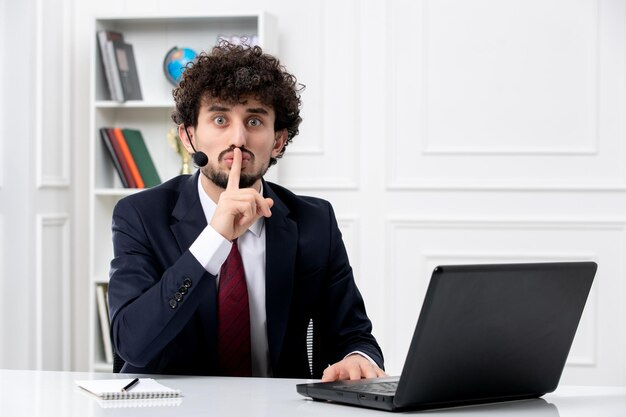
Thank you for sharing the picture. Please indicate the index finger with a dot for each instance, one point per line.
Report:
(330, 374)
(235, 171)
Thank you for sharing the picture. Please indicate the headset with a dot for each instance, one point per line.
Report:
(199, 158)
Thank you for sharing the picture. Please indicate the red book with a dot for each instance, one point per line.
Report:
(128, 157)
(120, 158)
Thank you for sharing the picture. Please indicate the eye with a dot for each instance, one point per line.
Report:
(254, 122)
(219, 120)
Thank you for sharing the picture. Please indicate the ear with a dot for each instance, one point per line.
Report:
(280, 138)
(182, 134)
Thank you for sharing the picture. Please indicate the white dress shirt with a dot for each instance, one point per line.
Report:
(211, 249)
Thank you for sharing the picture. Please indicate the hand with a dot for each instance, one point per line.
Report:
(237, 209)
(353, 366)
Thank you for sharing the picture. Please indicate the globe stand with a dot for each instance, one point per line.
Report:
(177, 145)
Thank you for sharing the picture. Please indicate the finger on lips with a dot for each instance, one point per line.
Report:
(235, 171)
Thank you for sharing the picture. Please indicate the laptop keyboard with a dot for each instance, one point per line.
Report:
(374, 387)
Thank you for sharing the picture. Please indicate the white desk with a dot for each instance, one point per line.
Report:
(54, 394)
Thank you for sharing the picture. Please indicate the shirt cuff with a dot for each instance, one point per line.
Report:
(210, 249)
(366, 356)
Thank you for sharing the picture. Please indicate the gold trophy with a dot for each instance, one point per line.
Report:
(177, 145)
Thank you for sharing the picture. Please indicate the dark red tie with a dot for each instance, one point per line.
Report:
(233, 318)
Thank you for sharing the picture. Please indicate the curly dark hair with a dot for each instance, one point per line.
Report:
(232, 72)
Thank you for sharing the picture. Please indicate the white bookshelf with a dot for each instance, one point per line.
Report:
(151, 37)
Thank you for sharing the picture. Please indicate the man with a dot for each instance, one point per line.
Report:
(220, 273)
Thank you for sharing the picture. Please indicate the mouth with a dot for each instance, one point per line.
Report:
(246, 159)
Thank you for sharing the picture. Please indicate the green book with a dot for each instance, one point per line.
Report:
(142, 158)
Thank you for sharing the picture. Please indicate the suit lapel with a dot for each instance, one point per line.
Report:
(190, 222)
(188, 212)
(281, 237)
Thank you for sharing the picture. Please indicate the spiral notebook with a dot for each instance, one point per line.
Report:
(111, 389)
(140, 402)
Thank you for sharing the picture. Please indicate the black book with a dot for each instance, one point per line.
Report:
(105, 138)
(127, 70)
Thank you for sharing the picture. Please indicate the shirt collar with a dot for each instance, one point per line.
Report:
(208, 207)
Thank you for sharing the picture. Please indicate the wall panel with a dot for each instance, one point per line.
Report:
(3, 96)
(52, 108)
(53, 292)
(498, 95)
(326, 154)
(416, 246)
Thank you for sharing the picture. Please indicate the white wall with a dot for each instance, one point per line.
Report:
(3, 25)
(36, 300)
(442, 131)
(14, 196)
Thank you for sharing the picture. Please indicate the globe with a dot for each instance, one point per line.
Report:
(175, 63)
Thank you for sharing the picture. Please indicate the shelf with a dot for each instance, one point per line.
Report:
(103, 367)
(171, 19)
(116, 192)
(152, 37)
(99, 280)
(134, 104)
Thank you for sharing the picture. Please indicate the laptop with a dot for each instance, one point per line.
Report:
(486, 333)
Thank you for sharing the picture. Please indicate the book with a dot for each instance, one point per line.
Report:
(111, 389)
(109, 62)
(127, 70)
(117, 149)
(142, 157)
(114, 157)
(105, 325)
(128, 157)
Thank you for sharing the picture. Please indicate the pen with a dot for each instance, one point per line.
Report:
(130, 385)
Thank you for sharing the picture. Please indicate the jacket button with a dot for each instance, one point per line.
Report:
(178, 296)
(187, 282)
(182, 289)
(173, 303)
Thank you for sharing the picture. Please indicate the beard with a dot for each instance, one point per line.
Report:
(246, 180)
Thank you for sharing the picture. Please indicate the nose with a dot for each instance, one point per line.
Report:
(239, 136)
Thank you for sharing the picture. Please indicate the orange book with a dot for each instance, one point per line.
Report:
(128, 157)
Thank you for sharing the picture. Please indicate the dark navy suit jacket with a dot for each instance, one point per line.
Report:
(308, 276)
